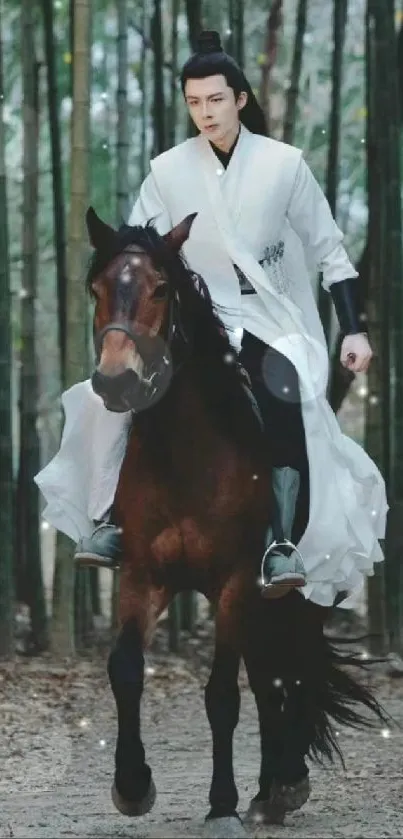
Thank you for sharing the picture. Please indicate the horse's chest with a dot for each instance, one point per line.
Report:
(192, 508)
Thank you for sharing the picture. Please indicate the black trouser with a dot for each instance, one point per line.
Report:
(275, 386)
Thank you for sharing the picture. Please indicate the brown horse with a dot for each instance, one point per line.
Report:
(193, 502)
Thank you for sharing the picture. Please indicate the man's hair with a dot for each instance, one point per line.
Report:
(211, 60)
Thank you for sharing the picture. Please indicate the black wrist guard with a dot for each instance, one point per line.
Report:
(346, 299)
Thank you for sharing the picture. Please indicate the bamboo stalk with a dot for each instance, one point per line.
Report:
(144, 101)
(374, 437)
(296, 66)
(194, 19)
(173, 107)
(57, 179)
(159, 93)
(273, 26)
(122, 163)
(239, 26)
(6, 437)
(332, 174)
(77, 342)
(393, 302)
(29, 460)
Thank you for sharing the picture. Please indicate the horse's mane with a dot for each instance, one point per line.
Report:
(211, 349)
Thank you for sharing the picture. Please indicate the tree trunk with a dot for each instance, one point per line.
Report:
(332, 176)
(62, 624)
(374, 419)
(195, 26)
(77, 321)
(159, 95)
(173, 109)
(239, 27)
(274, 23)
(95, 588)
(296, 66)
(341, 379)
(83, 611)
(400, 68)
(194, 19)
(122, 163)
(235, 39)
(143, 81)
(115, 595)
(72, 4)
(174, 624)
(6, 437)
(392, 283)
(29, 460)
(57, 178)
(229, 39)
(213, 15)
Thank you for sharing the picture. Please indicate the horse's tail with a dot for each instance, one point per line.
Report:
(341, 698)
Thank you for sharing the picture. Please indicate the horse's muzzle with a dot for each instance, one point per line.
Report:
(117, 392)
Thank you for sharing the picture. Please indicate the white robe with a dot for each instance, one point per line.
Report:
(266, 202)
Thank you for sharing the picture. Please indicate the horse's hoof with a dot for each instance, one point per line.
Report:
(292, 796)
(135, 808)
(265, 812)
(225, 827)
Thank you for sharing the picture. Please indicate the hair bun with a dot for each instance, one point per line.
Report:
(209, 41)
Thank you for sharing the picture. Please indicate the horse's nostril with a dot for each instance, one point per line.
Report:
(115, 390)
(103, 386)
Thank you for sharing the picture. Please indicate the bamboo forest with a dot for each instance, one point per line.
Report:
(100, 108)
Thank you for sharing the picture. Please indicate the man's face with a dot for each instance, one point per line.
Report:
(213, 107)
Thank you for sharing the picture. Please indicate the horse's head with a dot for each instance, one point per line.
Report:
(134, 317)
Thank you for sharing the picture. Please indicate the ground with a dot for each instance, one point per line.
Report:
(57, 740)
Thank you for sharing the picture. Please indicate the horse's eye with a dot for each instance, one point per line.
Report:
(160, 292)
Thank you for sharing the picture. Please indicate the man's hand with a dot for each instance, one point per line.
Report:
(356, 353)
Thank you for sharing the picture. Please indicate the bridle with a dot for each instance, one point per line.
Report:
(159, 366)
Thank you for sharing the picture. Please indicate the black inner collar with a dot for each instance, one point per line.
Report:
(225, 156)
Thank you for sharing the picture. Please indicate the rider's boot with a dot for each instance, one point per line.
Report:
(282, 566)
(103, 549)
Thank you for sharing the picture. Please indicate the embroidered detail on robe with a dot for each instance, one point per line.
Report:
(273, 263)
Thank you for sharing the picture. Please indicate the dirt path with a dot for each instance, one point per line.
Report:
(57, 739)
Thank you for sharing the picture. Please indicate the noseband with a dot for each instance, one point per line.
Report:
(157, 367)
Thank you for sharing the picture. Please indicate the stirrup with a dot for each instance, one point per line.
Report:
(294, 580)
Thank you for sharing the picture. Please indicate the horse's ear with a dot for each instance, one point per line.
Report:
(100, 234)
(178, 235)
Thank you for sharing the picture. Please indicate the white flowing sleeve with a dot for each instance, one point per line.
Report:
(310, 217)
(150, 206)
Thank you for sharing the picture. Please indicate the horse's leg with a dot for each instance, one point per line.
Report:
(265, 807)
(284, 778)
(222, 705)
(292, 788)
(133, 791)
(276, 673)
(222, 699)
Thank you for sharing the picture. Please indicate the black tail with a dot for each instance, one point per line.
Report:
(285, 641)
(341, 698)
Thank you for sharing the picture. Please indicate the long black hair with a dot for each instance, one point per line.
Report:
(211, 60)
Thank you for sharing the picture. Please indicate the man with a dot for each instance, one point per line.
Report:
(261, 218)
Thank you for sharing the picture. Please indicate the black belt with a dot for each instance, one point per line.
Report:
(245, 286)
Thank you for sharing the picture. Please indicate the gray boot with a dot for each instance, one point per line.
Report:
(103, 549)
(282, 565)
